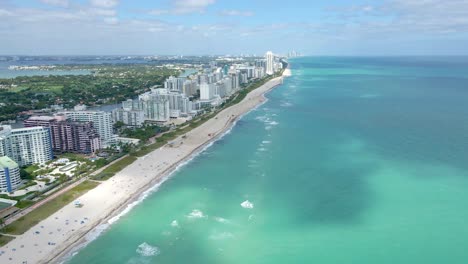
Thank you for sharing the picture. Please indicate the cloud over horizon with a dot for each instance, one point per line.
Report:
(210, 26)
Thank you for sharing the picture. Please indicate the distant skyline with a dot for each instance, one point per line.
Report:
(208, 27)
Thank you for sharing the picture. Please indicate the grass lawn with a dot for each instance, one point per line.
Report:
(32, 168)
(17, 89)
(145, 150)
(54, 88)
(26, 222)
(5, 239)
(114, 168)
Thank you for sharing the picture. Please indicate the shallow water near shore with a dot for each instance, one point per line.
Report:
(352, 160)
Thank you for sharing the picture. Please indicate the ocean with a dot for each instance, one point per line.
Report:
(351, 160)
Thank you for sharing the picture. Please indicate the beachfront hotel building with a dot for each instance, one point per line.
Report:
(102, 121)
(153, 109)
(179, 104)
(128, 116)
(207, 91)
(157, 105)
(67, 135)
(75, 137)
(189, 88)
(44, 121)
(270, 63)
(10, 178)
(175, 83)
(157, 110)
(26, 146)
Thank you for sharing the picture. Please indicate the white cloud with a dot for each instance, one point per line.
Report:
(101, 12)
(111, 20)
(4, 12)
(62, 3)
(348, 26)
(406, 16)
(183, 7)
(237, 13)
(191, 6)
(104, 3)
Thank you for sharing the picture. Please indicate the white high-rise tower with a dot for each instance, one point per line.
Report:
(270, 60)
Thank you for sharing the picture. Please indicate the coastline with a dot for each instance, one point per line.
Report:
(66, 231)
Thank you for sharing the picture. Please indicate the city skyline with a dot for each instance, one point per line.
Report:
(209, 27)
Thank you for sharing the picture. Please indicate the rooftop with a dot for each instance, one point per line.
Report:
(42, 118)
(6, 162)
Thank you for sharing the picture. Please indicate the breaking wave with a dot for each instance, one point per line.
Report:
(146, 250)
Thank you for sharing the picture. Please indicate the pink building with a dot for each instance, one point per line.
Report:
(68, 136)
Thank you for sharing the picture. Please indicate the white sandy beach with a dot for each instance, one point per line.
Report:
(48, 241)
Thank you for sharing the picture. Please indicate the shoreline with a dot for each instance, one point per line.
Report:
(125, 190)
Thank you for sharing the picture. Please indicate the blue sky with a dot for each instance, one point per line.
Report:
(334, 27)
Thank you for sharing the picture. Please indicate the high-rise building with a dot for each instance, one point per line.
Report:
(102, 121)
(129, 117)
(244, 78)
(235, 82)
(203, 78)
(174, 83)
(26, 145)
(157, 110)
(228, 86)
(154, 108)
(77, 137)
(270, 60)
(68, 136)
(179, 103)
(10, 178)
(220, 89)
(5, 147)
(44, 121)
(207, 91)
(171, 83)
(259, 72)
(189, 88)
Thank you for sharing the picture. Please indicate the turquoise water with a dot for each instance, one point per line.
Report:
(352, 160)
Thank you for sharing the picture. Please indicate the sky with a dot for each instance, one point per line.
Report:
(219, 27)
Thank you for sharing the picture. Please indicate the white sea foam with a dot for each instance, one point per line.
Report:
(247, 204)
(261, 118)
(147, 250)
(262, 149)
(196, 214)
(93, 234)
(286, 104)
(266, 142)
(221, 220)
(273, 123)
(174, 223)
